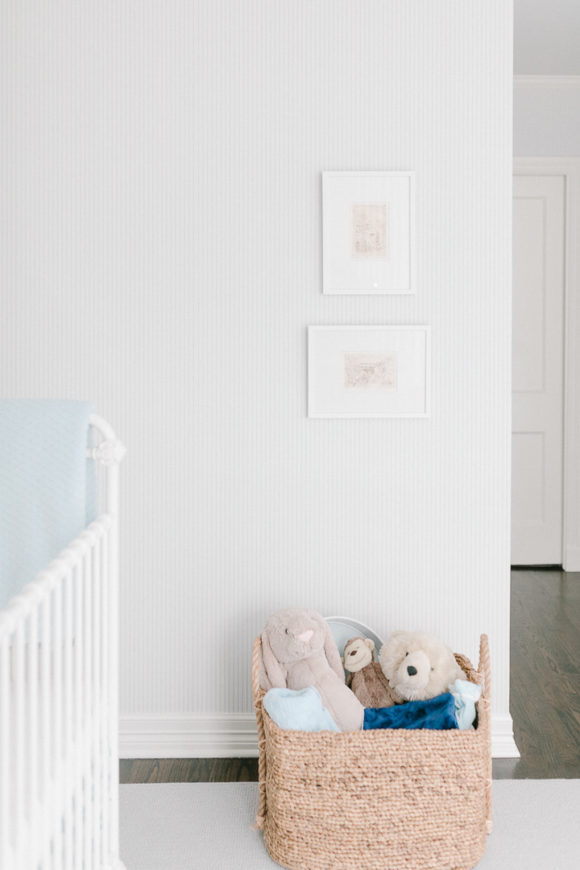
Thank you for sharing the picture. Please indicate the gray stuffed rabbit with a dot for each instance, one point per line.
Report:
(298, 650)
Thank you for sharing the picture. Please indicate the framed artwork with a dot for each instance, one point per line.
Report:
(368, 232)
(368, 371)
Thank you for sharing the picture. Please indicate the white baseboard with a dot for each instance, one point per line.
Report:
(232, 736)
(572, 559)
(185, 735)
(503, 744)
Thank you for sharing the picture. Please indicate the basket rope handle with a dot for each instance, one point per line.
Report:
(256, 689)
(485, 670)
(484, 666)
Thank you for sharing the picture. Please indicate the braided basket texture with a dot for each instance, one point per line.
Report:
(376, 800)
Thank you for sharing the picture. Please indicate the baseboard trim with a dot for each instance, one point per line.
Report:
(185, 735)
(503, 744)
(232, 736)
(572, 559)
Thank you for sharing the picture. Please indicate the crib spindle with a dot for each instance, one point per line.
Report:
(68, 721)
(107, 760)
(77, 702)
(87, 714)
(113, 583)
(97, 697)
(33, 730)
(45, 727)
(57, 698)
(18, 651)
(5, 778)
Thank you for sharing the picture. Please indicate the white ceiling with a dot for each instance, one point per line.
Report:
(547, 37)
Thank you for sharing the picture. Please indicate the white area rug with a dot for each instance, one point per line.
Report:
(184, 826)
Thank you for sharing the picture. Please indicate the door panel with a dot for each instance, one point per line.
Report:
(537, 369)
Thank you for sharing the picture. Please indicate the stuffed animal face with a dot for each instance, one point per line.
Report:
(295, 634)
(358, 653)
(418, 665)
(298, 650)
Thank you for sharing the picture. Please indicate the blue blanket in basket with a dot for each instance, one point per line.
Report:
(303, 710)
(437, 713)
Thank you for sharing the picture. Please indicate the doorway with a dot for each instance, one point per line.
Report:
(543, 433)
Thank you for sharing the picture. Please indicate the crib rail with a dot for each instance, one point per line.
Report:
(58, 704)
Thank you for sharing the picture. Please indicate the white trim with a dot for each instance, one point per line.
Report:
(569, 168)
(572, 559)
(540, 81)
(546, 165)
(188, 735)
(184, 735)
(503, 744)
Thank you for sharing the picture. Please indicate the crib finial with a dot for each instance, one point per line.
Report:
(108, 452)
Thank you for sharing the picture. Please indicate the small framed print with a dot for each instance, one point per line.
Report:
(368, 232)
(368, 371)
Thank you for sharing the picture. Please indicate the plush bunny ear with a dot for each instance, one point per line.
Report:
(331, 651)
(275, 672)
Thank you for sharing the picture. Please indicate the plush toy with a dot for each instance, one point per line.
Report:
(365, 677)
(418, 665)
(298, 650)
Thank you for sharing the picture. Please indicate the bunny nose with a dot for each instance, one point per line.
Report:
(306, 635)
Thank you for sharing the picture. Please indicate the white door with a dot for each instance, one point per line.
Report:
(539, 216)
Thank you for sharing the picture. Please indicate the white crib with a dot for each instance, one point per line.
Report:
(59, 763)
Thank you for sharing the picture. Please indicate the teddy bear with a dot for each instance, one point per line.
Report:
(365, 676)
(418, 665)
(298, 650)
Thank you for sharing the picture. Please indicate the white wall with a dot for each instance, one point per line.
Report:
(546, 37)
(162, 256)
(547, 116)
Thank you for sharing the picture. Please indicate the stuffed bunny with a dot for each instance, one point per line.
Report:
(298, 650)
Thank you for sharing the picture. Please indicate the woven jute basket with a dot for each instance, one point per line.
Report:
(376, 800)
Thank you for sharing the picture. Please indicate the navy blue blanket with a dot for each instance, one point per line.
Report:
(437, 714)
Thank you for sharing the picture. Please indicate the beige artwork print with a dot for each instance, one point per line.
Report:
(370, 371)
(369, 230)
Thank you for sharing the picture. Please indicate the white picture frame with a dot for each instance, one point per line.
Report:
(369, 371)
(368, 233)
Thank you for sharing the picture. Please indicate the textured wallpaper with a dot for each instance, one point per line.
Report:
(162, 257)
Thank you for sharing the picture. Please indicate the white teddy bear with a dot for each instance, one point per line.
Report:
(418, 665)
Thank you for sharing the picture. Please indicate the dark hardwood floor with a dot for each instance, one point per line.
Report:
(189, 770)
(545, 693)
(545, 676)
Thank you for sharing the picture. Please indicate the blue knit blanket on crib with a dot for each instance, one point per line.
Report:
(47, 485)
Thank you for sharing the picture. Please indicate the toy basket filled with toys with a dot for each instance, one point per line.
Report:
(363, 797)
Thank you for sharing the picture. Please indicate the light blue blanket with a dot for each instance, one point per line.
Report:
(298, 710)
(47, 485)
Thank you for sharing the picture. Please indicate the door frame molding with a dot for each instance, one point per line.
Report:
(569, 169)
